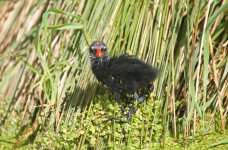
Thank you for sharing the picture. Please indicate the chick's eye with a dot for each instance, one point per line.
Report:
(92, 49)
(103, 48)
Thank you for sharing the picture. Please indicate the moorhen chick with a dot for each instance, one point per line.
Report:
(128, 78)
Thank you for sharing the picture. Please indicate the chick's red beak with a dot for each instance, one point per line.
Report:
(99, 52)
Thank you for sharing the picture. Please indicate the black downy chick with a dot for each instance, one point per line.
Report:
(128, 78)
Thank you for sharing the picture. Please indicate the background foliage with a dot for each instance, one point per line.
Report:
(46, 81)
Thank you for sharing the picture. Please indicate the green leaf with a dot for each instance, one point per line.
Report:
(76, 26)
(205, 64)
(221, 142)
(212, 19)
(32, 68)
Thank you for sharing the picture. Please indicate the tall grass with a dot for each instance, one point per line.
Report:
(46, 75)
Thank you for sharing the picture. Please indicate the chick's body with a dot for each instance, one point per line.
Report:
(128, 78)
